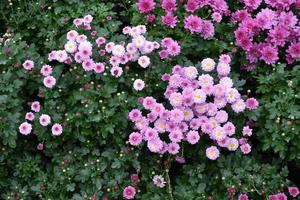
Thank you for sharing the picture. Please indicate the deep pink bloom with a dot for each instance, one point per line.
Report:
(168, 5)
(169, 20)
(294, 191)
(252, 103)
(129, 192)
(150, 18)
(146, 6)
(269, 54)
(193, 24)
(243, 197)
(294, 50)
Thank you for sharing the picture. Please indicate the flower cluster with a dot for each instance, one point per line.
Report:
(198, 108)
(263, 35)
(79, 50)
(170, 47)
(25, 128)
(192, 22)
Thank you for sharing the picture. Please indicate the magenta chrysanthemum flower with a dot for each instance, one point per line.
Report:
(294, 191)
(269, 54)
(169, 5)
(252, 103)
(193, 24)
(57, 129)
(129, 192)
(146, 6)
(243, 197)
(25, 128)
(281, 196)
(294, 50)
(212, 153)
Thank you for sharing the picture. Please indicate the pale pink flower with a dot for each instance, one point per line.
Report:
(49, 81)
(138, 84)
(28, 64)
(57, 129)
(45, 120)
(46, 70)
(35, 106)
(29, 116)
(25, 128)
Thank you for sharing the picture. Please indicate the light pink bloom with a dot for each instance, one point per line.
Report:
(192, 137)
(173, 148)
(45, 120)
(49, 81)
(28, 64)
(245, 148)
(212, 153)
(294, 191)
(57, 129)
(35, 106)
(46, 70)
(138, 84)
(29, 116)
(25, 128)
(135, 138)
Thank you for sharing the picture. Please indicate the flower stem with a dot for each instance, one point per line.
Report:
(169, 181)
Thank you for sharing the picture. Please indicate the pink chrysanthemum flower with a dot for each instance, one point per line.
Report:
(155, 145)
(61, 56)
(146, 6)
(46, 70)
(49, 81)
(208, 64)
(168, 5)
(217, 17)
(150, 134)
(129, 192)
(176, 115)
(116, 71)
(281, 196)
(294, 191)
(28, 64)
(269, 54)
(135, 138)
(218, 134)
(232, 144)
(245, 148)
(35, 106)
(229, 128)
(199, 96)
(88, 19)
(247, 131)
(238, 106)
(57, 129)
(193, 24)
(176, 136)
(138, 84)
(71, 35)
(252, 103)
(243, 197)
(135, 115)
(212, 153)
(169, 20)
(29, 116)
(173, 148)
(45, 120)
(223, 69)
(144, 61)
(99, 67)
(294, 50)
(149, 103)
(192, 137)
(25, 128)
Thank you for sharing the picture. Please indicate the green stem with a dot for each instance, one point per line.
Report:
(169, 180)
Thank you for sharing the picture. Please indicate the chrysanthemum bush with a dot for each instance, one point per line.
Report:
(88, 155)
